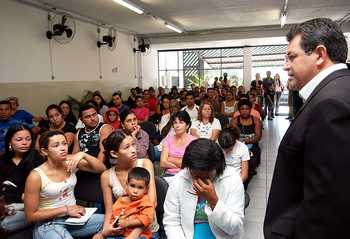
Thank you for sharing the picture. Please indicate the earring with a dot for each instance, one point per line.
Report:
(10, 147)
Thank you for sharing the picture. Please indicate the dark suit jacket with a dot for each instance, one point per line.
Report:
(310, 190)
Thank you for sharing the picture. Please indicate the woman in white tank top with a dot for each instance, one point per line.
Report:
(49, 191)
(121, 150)
(228, 106)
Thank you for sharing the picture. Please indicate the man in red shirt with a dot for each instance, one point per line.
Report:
(152, 100)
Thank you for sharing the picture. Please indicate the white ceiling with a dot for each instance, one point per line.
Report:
(201, 15)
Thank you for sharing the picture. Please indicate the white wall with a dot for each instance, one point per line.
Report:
(25, 60)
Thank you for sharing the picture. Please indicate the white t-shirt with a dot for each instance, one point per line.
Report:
(239, 153)
(192, 112)
(205, 130)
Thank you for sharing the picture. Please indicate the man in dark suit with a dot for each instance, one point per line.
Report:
(310, 192)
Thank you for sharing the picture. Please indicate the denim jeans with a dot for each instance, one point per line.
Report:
(15, 222)
(56, 230)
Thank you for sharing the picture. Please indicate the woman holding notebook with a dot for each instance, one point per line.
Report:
(49, 191)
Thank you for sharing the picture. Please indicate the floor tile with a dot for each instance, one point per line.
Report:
(259, 186)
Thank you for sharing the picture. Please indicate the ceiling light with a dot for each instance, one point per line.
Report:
(283, 19)
(129, 5)
(284, 13)
(175, 29)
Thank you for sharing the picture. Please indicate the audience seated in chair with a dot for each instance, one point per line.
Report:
(206, 198)
(101, 105)
(56, 122)
(112, 118)
(131, 126)
(236, 153)
(173, 147)
(49, 190)
(228, 106)
(89, 139)
(5, 122)
(19, 159)
(207, 126)
(250, 128)
(68, 115)
(142, 113)
(121, 151)
(191, 108)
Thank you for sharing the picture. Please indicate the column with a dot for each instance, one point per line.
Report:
(247, 67)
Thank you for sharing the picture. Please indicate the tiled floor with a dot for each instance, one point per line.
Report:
(259, 186)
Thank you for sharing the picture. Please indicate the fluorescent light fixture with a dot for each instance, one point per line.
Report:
(175, 29)
(130, 6)
(283, 19)
(284, 13)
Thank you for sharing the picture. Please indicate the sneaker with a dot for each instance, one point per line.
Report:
(269, 118)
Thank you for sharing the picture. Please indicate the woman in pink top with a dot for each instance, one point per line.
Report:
(174, 146)
(141, 112)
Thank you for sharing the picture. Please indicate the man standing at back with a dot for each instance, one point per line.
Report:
(310, 193)
(268, 84)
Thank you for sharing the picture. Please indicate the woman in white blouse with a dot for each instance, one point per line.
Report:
(206, 126)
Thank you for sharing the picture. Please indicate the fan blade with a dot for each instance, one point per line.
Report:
(49, 35)
(64, 19)
(69, 32)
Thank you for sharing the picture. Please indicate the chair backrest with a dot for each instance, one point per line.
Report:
(151, 153)
(161, 188)
(224, 121)
(88, 189)
(150, 129)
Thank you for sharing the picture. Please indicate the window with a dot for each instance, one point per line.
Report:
(181, 68)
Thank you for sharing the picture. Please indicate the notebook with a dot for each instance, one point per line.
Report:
(83, 219)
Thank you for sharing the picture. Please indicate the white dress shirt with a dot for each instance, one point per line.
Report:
(306, 91)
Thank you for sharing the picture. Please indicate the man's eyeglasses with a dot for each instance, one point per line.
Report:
(290, 57)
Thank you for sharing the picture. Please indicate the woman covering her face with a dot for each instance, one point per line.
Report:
(205, 199)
